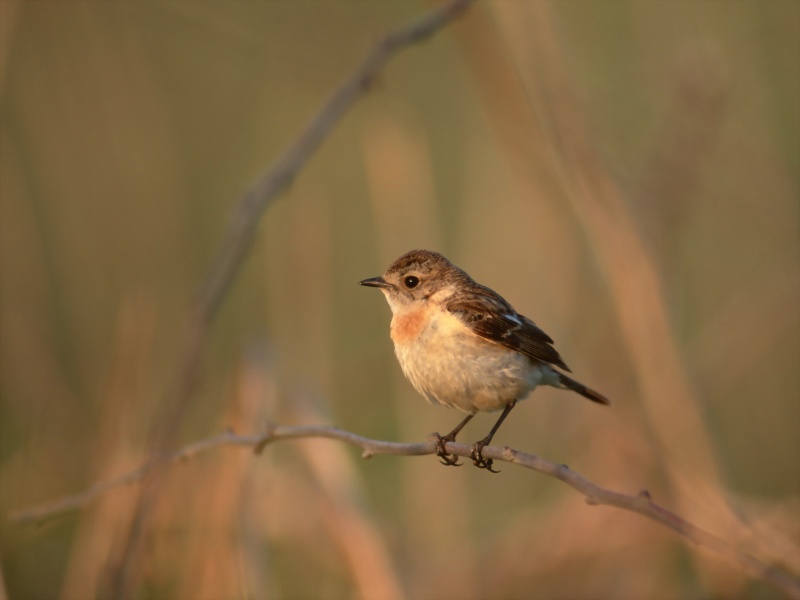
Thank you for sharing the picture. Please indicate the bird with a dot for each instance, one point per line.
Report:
(463, 346)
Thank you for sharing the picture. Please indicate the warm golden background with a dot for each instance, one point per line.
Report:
(625, 173)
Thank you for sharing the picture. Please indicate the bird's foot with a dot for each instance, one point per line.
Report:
(450, 460)
(477, 456)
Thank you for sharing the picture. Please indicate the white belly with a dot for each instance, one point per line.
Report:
(452, 366)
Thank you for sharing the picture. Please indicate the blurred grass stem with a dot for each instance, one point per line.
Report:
(236, 243)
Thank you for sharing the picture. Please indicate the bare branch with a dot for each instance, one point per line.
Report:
(641, 503)
(241, 231)
(280, 175)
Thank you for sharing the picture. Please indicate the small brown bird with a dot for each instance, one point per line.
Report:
(462, 345)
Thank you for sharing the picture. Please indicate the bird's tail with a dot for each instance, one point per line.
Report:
(584, 391)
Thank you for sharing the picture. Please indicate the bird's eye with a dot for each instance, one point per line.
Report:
(411, 281)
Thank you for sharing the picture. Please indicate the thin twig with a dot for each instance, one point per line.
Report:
(642, 503)
(281, 174)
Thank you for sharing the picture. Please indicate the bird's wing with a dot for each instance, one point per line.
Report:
(489, 315)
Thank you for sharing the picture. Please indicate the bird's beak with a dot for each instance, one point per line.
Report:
(378, 282)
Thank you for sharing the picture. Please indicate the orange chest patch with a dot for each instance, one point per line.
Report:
(406, 328)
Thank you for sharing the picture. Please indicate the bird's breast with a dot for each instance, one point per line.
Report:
(449, 364)
(407, 326)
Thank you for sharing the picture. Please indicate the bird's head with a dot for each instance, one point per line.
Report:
(419, 276)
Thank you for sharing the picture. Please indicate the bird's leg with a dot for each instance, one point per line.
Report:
(450, 459)
(477, 448)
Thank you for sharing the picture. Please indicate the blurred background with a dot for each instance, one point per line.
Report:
(625, 173)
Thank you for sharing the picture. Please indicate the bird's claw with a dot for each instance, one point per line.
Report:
(450, 460)
(477, 457)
